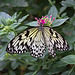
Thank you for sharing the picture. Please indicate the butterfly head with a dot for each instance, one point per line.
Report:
(45, 21)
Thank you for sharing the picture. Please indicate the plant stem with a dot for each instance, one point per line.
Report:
(36, 71)
(23, 70)
(71, 70)
(50, 2)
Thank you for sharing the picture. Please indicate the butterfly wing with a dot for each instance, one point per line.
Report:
(36, 41)
(21, 43)
(31, 39)
(37, 47)
(54, 40)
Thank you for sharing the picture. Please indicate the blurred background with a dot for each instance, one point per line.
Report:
(16, 16)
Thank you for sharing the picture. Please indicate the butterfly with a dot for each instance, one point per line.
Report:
(37, 39)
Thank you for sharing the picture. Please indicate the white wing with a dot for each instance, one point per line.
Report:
(21, 43)
(54, 40)
(37, 47)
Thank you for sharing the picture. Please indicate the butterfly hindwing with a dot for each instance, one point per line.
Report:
(21, 43)
(49, 41)
(37, 47)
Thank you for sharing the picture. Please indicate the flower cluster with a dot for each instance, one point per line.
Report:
(45, 20)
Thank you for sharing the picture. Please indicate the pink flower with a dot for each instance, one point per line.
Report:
(53, 18)
(50, 16)
(45, 20)
(42, 21)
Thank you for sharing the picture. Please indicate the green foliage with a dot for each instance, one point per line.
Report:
(10, 26)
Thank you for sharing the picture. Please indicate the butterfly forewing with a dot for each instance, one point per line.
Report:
(21, 43)
(55, 40)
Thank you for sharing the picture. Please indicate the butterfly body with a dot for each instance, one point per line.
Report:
(36, 40)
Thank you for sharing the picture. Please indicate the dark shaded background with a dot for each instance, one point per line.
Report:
(14, 19)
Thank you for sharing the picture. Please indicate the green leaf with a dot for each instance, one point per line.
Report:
(14, 25)
(42, 72)
(68, 28)
(63, 15)
(29, 59)
(33, 67)
(23, 18)
(59, 22)
(30, 73)
(5, 39)
(15, 16)
(2, 52)
(55, 70)
(33, 23)
(72, 20)
(53, 11)
(11, 35)
(59, 64)
(70, 59)
(70, 31)
(3, 64)
(14, 64)
(3, 22)
(71, 39)
(68, 3)
(2, 33)
(62, 9)
(26, 58)
(68, 73)
(19, 29)
(4, 15)
(12, 73)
